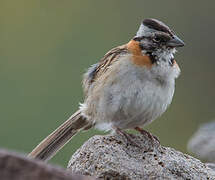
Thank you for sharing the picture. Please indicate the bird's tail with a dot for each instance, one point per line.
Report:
(57, 139)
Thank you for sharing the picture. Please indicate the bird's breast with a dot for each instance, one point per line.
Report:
(133, 97)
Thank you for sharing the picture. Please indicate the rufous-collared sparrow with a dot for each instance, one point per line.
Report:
(129, 87)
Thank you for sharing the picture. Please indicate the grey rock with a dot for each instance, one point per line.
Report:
(114, 157)
(14, 166)
(202, 143)
(211, 165)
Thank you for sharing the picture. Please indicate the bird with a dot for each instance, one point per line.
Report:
(131, 86)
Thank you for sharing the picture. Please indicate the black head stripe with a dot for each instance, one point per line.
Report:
(157, 25)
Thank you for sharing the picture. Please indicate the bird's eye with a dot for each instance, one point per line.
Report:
(157, 39)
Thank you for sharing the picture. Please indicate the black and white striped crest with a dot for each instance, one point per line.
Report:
(149, 26)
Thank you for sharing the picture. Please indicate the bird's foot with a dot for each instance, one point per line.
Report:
(127, 136)
(144, 132)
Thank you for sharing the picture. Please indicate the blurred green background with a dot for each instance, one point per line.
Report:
(46, 46)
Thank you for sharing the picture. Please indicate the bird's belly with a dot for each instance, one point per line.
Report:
(135, 104)
(142, 106)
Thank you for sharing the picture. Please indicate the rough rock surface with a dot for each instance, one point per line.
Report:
(114, 157)
(17, 167)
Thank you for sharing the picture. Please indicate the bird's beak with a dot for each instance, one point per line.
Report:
(175, 42)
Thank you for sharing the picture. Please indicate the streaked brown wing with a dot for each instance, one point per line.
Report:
(101, 67)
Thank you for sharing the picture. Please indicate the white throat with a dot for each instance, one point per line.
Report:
(165, 69)
(164, 55)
